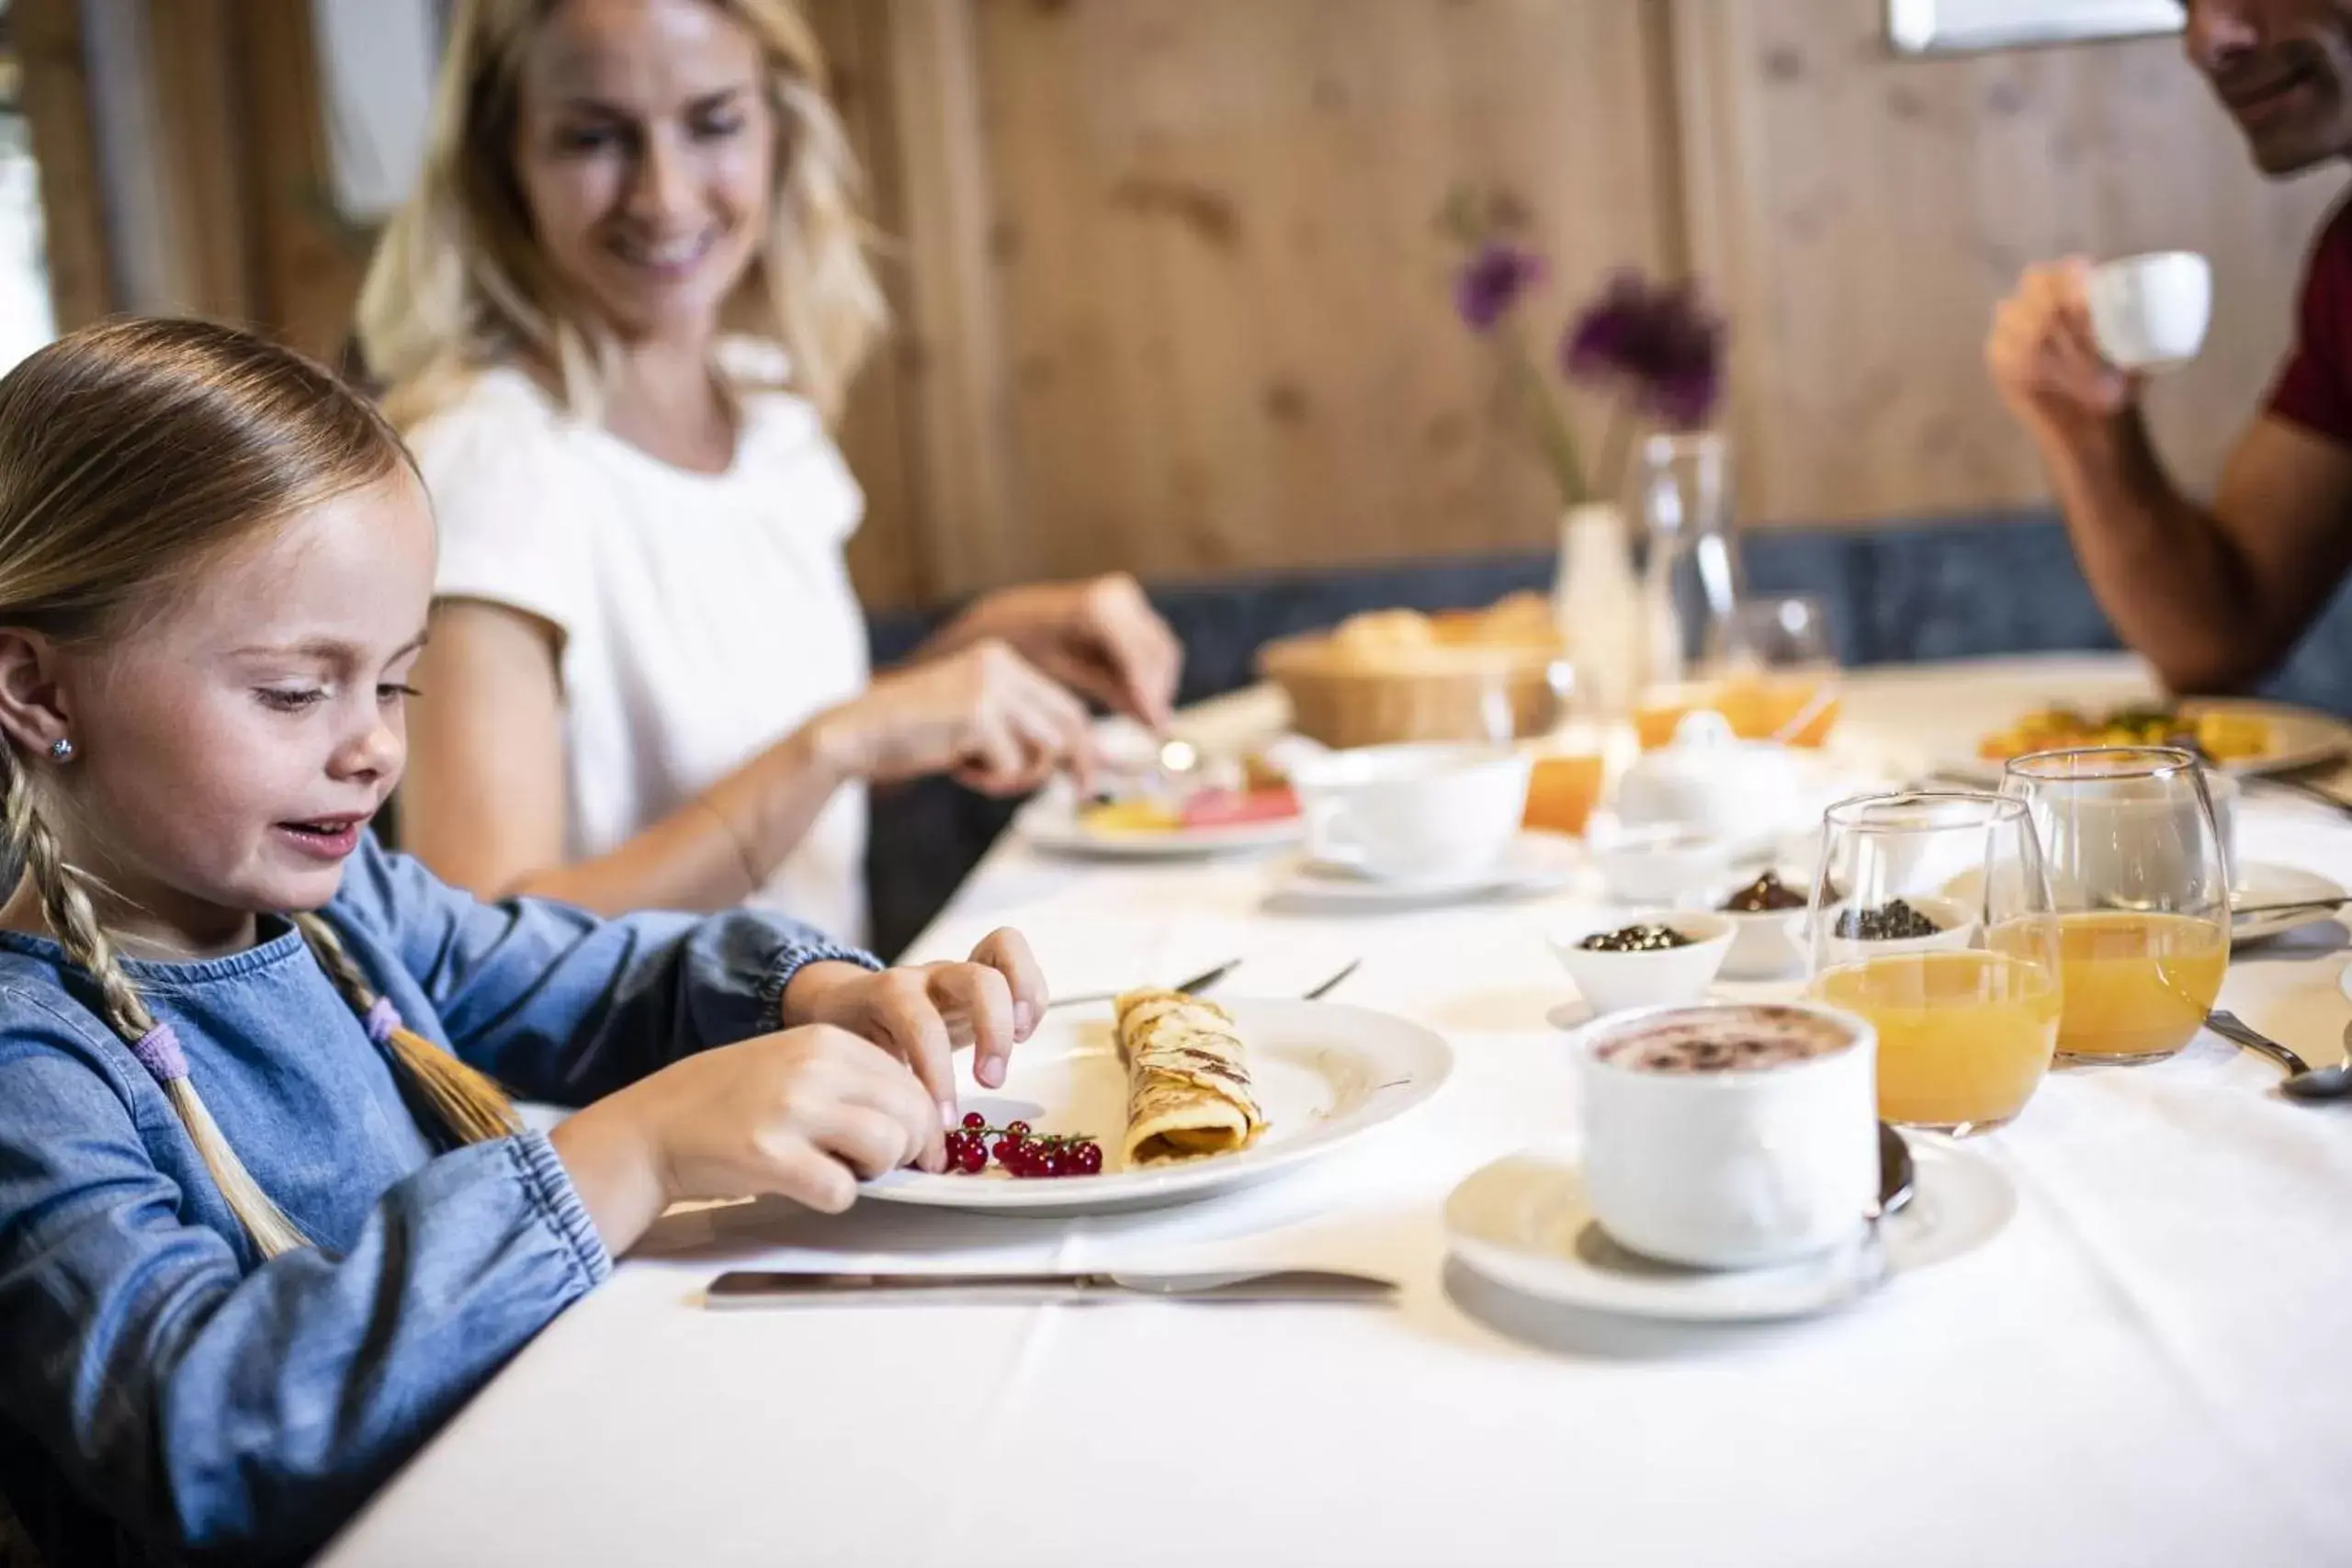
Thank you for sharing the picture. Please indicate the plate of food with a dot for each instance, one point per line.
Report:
(1165, 1098)
(2236, 735)
(1150, 815)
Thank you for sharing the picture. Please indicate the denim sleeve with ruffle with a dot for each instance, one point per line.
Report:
(564, 1006)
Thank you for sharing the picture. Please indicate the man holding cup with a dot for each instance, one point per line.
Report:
(2214, 597)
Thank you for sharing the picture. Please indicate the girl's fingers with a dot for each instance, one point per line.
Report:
(811, 1178)
(869, 1142)
(1008, 953)
(981, 998)
(883, 1076)
(905, 1015)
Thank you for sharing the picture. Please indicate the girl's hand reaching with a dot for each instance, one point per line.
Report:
(855, 1087)
(922, 1013)
(803, 1114)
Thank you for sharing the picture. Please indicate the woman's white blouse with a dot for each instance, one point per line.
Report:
(703, 616)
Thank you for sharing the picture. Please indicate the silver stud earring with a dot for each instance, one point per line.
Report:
(60, 749)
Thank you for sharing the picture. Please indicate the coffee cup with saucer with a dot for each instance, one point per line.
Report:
(1412, 813)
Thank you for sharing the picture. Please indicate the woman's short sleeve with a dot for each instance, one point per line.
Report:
(509, 502)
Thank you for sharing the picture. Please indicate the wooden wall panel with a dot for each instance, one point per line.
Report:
(56, 89)
(1864, 214)
(1224, 294)
(885, 558)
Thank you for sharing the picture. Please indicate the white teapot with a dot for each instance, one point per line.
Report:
(1747, 793)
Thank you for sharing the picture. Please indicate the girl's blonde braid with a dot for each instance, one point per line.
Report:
(469, 1103)
(73, 920)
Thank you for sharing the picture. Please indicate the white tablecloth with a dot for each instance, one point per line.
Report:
(2147, 1366)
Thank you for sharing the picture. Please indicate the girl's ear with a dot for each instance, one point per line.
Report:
(32, 706)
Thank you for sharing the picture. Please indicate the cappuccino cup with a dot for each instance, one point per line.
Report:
(2150, 312)
(1412, 812)
(1730, 1135)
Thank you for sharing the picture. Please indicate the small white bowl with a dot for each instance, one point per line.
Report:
(1661, 863)
(1612, 982)
(1765, 944)
(1959, 932)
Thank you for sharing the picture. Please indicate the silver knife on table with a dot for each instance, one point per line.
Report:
(759, 1287)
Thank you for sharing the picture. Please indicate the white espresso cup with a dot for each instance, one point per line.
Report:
(1405, 813)
(2151, 312)
(1730, 1166)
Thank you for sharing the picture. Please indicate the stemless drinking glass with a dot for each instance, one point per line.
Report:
(1932, 918)
(2143, 890)
(1784, 651)
(1770, 666)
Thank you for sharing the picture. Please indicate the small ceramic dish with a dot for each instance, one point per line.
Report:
(1612, 982)
(1765, 944)
(1956, 933)
(1659, 864)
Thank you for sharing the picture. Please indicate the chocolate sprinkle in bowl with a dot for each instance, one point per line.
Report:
(1648, 959)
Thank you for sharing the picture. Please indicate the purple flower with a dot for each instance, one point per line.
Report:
(1661, 342)
(1492, 281)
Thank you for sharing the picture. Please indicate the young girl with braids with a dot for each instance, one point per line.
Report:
(267, 1217)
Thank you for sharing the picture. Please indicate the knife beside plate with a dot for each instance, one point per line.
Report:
(756, 1288)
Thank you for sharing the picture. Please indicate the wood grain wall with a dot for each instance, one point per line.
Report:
(1172, 297)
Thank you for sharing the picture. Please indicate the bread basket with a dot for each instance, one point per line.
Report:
(1348, 695)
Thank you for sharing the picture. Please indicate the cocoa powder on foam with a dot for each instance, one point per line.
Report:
(1744, 1039)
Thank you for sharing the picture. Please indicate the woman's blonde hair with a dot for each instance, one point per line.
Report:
(458, 283)
(132, 455)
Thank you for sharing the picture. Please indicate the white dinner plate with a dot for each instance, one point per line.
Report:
(2300, 738)
(1524, 1223)
(1535, 862)
(1324, 1073)
(2267, 882)
(2258, 882)
(1052, 824)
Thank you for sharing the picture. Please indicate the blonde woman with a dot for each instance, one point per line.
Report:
(648, 672)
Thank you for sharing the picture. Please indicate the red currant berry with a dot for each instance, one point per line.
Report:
(1019, 1129)
(974, 1159)
(1089, 1160)
(1004, 1149)
(1056, 1163)
(975, 1121)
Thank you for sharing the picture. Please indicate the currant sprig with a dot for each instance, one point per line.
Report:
(1022, 1152)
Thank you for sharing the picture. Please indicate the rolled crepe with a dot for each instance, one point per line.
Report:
(1188, 1084)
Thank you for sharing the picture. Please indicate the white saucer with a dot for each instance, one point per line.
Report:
(2267, 882)
(1535, 862)
(1524, 1223)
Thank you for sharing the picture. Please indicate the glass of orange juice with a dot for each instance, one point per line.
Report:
(2141, 886)
(1770, 667)
(1562, 788)
(1964, 991)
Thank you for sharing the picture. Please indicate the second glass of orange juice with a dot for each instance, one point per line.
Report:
(1770, 666)
(2141, 886)
(1967, 1018)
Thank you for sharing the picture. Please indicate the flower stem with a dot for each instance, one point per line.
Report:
(1615, 442)
(1544, 415)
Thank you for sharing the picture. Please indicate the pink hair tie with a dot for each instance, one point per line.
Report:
(159, 1052)
(382, 1019)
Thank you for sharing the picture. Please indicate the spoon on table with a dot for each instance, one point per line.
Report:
(2304, 1082)
(1896, 1174)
